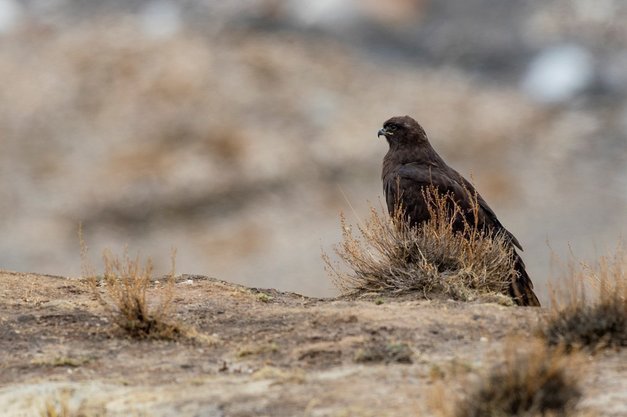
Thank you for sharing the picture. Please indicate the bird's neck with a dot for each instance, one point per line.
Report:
(405, 154)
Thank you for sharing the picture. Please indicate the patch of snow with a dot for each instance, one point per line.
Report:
(160, 19)
(323, 13)
(10, 13)
(558, 73)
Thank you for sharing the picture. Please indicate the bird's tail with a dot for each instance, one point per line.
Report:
(521, 288)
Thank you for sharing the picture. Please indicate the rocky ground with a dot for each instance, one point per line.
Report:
(263, 353)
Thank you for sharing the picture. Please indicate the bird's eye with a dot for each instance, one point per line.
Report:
(392, 127)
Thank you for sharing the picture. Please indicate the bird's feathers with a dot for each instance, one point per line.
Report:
(411, 165)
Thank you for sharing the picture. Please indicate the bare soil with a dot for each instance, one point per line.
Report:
(262, 353)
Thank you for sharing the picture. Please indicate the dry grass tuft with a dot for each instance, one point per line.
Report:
(594, 315)
(59, 406)
(123, 291)
(56, 409)
(128, 291)
(534, 382)
(379, 350)
(390, 256)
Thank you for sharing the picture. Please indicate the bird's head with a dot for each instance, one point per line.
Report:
(403, 130)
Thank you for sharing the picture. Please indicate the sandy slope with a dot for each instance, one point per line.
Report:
(260, 353)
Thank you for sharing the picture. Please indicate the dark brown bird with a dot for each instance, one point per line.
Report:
(412, 164)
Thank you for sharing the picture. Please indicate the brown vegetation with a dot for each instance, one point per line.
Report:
(381, 350)
(391, 256)
(126, 283)
(595, 314)
(534, 382)
(52, 409)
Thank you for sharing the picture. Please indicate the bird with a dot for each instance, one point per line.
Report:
(412, 165)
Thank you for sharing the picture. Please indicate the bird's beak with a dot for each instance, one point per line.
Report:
(382, 132)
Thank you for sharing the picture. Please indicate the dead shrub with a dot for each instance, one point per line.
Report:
(390, 256)
(58, 405)
(56, 409)
(123, 292)
(534, 382)
(594, 315)
(381, 350)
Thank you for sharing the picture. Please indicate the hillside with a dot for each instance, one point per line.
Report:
(263, 353)
(238, 136)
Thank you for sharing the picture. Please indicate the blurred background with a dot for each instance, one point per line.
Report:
(236, 131)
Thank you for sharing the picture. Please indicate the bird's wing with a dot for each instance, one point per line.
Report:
(489, 213)
(404, 185)
(416, 176)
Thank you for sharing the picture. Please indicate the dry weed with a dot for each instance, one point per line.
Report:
(381, 350)
(56, 409)
(59, 406)
(590, 309)
(388, 255)
(531, 381)
(126, 284)
(123, 292)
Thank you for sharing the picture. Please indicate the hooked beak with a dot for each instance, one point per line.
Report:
(382, 132)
